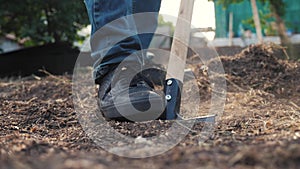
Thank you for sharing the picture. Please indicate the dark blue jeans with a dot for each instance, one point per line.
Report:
(116, 32)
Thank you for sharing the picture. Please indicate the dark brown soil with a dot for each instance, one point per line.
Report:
(260, 126)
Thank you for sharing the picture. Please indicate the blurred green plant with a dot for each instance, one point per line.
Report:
(267, 23)
(41, 22)
(226, 3)
(162, 22)
(277, 10)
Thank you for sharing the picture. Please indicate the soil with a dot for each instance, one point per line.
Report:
(259, 128)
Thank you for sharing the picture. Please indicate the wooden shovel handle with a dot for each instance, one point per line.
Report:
(181, 40)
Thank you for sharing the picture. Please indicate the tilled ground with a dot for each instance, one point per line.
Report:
(259, 128)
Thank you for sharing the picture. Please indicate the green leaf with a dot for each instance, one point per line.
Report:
(43, 21)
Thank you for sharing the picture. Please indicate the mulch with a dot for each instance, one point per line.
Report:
(259, 128)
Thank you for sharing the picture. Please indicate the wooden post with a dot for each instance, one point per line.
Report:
(257, 21)
(181, 38)
(230, 29)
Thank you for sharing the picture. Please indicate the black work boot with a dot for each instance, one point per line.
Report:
(126, 95)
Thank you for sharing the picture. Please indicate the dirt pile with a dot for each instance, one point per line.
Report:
(259, 67)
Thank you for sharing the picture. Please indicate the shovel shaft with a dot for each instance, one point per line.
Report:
(181, 40)
(177, 60)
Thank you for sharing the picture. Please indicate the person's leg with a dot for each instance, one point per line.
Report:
(114, 39)
(114, 36)
(104, 13)
(147, 21)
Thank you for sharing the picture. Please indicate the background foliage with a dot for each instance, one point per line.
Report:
(277, 10)
(47, 21)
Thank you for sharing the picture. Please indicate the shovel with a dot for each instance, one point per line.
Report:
(177, 61)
